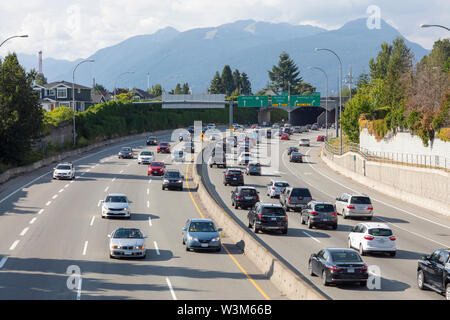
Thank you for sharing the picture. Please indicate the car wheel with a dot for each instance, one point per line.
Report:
(284, 231)
(421, 280)
(249, 224)
(334, 226)
(363, 283)
(187, 248)
(255, 229)
(343, 215)
(236, 206)
(447, 291)
(182, 240)
(361, 250)
(301, 219)
(369, 218)
(310, 269)
(218, 249)
(287, 208)
(324, 278)
(309, 224)
(349, 243)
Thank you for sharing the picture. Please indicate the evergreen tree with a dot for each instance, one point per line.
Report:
(363, 79)
(237, 80)
(156, 90)
(178, 89)
(305, 88)
(185, 89)
(285, 76)
(246, 86)
(40, 79)
(216, 86)
(227, 80)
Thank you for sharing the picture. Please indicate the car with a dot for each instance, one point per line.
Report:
(172, 179)
(295, 198)
(354, 206)
(275, 187)
(304, 143)
(292, 149)
(275, 126)
(163, 147)
(433, 272)
(320, 138)
(152, 141)
(189, 147)
(296, 129)
(319, 214)
(191, 129)
(210, 126)
(201, 234)
(217, 159)
(126, 153)
(267, 216)
(244, 197)
(287, 130)
(178, 156)
(146, 157)
(127, 243)
(244, 158)
(338, 265)
(156, 168)
(296, 157)
(372, 237)
(233, 176)
(315, 127)
(269, 134)
(232, 141)
(253, 168)
(116, 205)
(64, 170)
(285, 136)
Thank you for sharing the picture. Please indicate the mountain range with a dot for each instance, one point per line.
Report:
(253, 47)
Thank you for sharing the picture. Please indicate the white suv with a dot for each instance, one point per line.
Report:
(354, 205)
(64, 171)
(274, 188)
(372, 237)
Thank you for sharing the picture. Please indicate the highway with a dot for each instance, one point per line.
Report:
(419, 231)
(50, 229)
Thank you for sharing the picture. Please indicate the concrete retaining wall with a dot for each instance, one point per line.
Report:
(427, 188)
(285, 279)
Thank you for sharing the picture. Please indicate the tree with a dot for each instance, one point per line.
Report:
(237, 80)
(227, 80)
(185, 89)
(363, 79)
(285, 76)
(40, 79)
(178, 89)
(156, 90)
(20, 113)
(305, 88)
(216, 86)
(246, 86)
(378, 67)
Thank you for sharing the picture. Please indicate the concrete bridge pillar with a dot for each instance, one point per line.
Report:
(263, 116)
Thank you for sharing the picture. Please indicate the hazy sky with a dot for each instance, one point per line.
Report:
(76, 29)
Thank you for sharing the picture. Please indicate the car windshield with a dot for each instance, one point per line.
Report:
(125, 150)
(296, 154)
(202, 227)
(281, 184)
(146, 153)
(345, 256)
(157, 164)
(304, 140)
(128, 233)
(172, 174)
(179, 153)
(297, 192)
(234, 172)
(293, 148)
(360, 200)
(278, 211)
(151, 138)
(380, 232)
(255, 165)
(163, 144)
(120, 199)
(63, 167)
(248, 192)
(324, 208)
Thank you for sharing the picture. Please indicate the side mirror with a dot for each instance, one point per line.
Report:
(109, 236)
(102, 201)
(219, 230)
(145, 237)
(337, 199)
(184, 229)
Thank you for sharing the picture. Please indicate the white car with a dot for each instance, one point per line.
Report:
(244, 158)
(354, 205)
(372, 237)
(116, 205)
(178, 155)
(64, 171)
(275, 187)
(127, 242)
(304, 143)
(146, 157)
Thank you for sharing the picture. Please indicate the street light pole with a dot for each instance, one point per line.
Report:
(73, 96)
(326, 101)
(433, 25)
(22, 36)
(117, 79)
(340, 90)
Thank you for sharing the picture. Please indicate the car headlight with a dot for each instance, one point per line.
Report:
(115, 247)
(193, 238)
(180, 181)
(125, 209)
(165, 181)
(215, 239)
(140, 247)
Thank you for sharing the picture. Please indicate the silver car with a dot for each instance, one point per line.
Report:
(127, 243)
(274, 188)
(116, 205)
(354, 205)
(146, 157)
(304, 143)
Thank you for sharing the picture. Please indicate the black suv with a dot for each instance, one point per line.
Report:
(233, 177)
(433, 272)
(126, 153)
(244, 197)
(295, 198)
(268, 216)
(172, 179)
(152, 141)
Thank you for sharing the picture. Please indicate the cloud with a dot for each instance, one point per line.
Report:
(77, 29)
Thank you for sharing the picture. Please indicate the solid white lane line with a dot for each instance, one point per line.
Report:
(66, 186)
(3, 261)
(61, 190)
(149, 181)
(40, 211)
(311, 236)
(14, 245)
(174, 297)
(85, 248)
(148, 191)
(80, 280)
(33, 220)
(99, 202)
(48, 203)
(150, 221)
(106, 189)
(156, 248)
(148, 204)
(72, 182)
(55, 196)
(92, 221)
(24, 231)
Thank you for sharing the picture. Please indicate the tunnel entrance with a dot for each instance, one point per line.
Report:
(305, 115)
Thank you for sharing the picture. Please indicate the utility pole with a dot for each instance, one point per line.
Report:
(148, 81)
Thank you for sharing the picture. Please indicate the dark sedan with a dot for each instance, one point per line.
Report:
(152, 141)
(338, 266)
(172, 180)
(126, 153)
(244, 197)
(291, 150)
(296, 157)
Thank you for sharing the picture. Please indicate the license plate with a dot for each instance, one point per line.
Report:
(273, 219)
(127, 253)
(248, 198)
(204, 245)
(299, 205)
(234, 178)
(325, 219)
(350, 270)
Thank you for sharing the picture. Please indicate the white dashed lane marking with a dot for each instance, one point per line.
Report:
(14, 245)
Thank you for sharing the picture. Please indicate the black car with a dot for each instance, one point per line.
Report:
(126, 153)
(296, 157)
(269, 134)
(268, 216)
(338, 266)
(253, 169)
(292, 149)
(191, 129)
(152, 141)
(172, 179)
(319, 214)
(244, 197)
(233, 177)
(433, 272)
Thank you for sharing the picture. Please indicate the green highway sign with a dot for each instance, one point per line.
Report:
(312, 100)
(253, 101)
(280, 101)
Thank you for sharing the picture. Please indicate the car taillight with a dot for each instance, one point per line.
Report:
(335, 269)
(289, 199)
(351, 207)
(369, 208)
(273, 188)
(285, 218)
(314, 213)
(228, 175)
(259, 216)
(392, 238)
(364, 269)
(334, 213)
(369, 237)
(256, 197)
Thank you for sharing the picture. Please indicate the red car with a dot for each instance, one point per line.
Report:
(156, 168)
(285, 136)
(163, 147)
(320, 138)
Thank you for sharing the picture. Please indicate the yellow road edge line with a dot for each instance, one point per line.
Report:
(228, 252)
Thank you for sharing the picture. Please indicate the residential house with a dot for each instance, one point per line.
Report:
(141, 94)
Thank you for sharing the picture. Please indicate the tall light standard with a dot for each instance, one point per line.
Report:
(117, 79)
(326, 101)
(433, 25)
(73, 97)
(22, 36)
(340, 91)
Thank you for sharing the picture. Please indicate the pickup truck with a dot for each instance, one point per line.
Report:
(433, 272)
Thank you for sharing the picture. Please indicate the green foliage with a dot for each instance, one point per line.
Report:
(156, 90)
(40, 79)
(185, 89)
(227, 80)
(246, 86)
(363, 79)
(285, 76)
(58, 116)
(216, 86)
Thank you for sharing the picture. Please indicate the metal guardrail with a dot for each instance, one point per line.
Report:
(405, 159)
